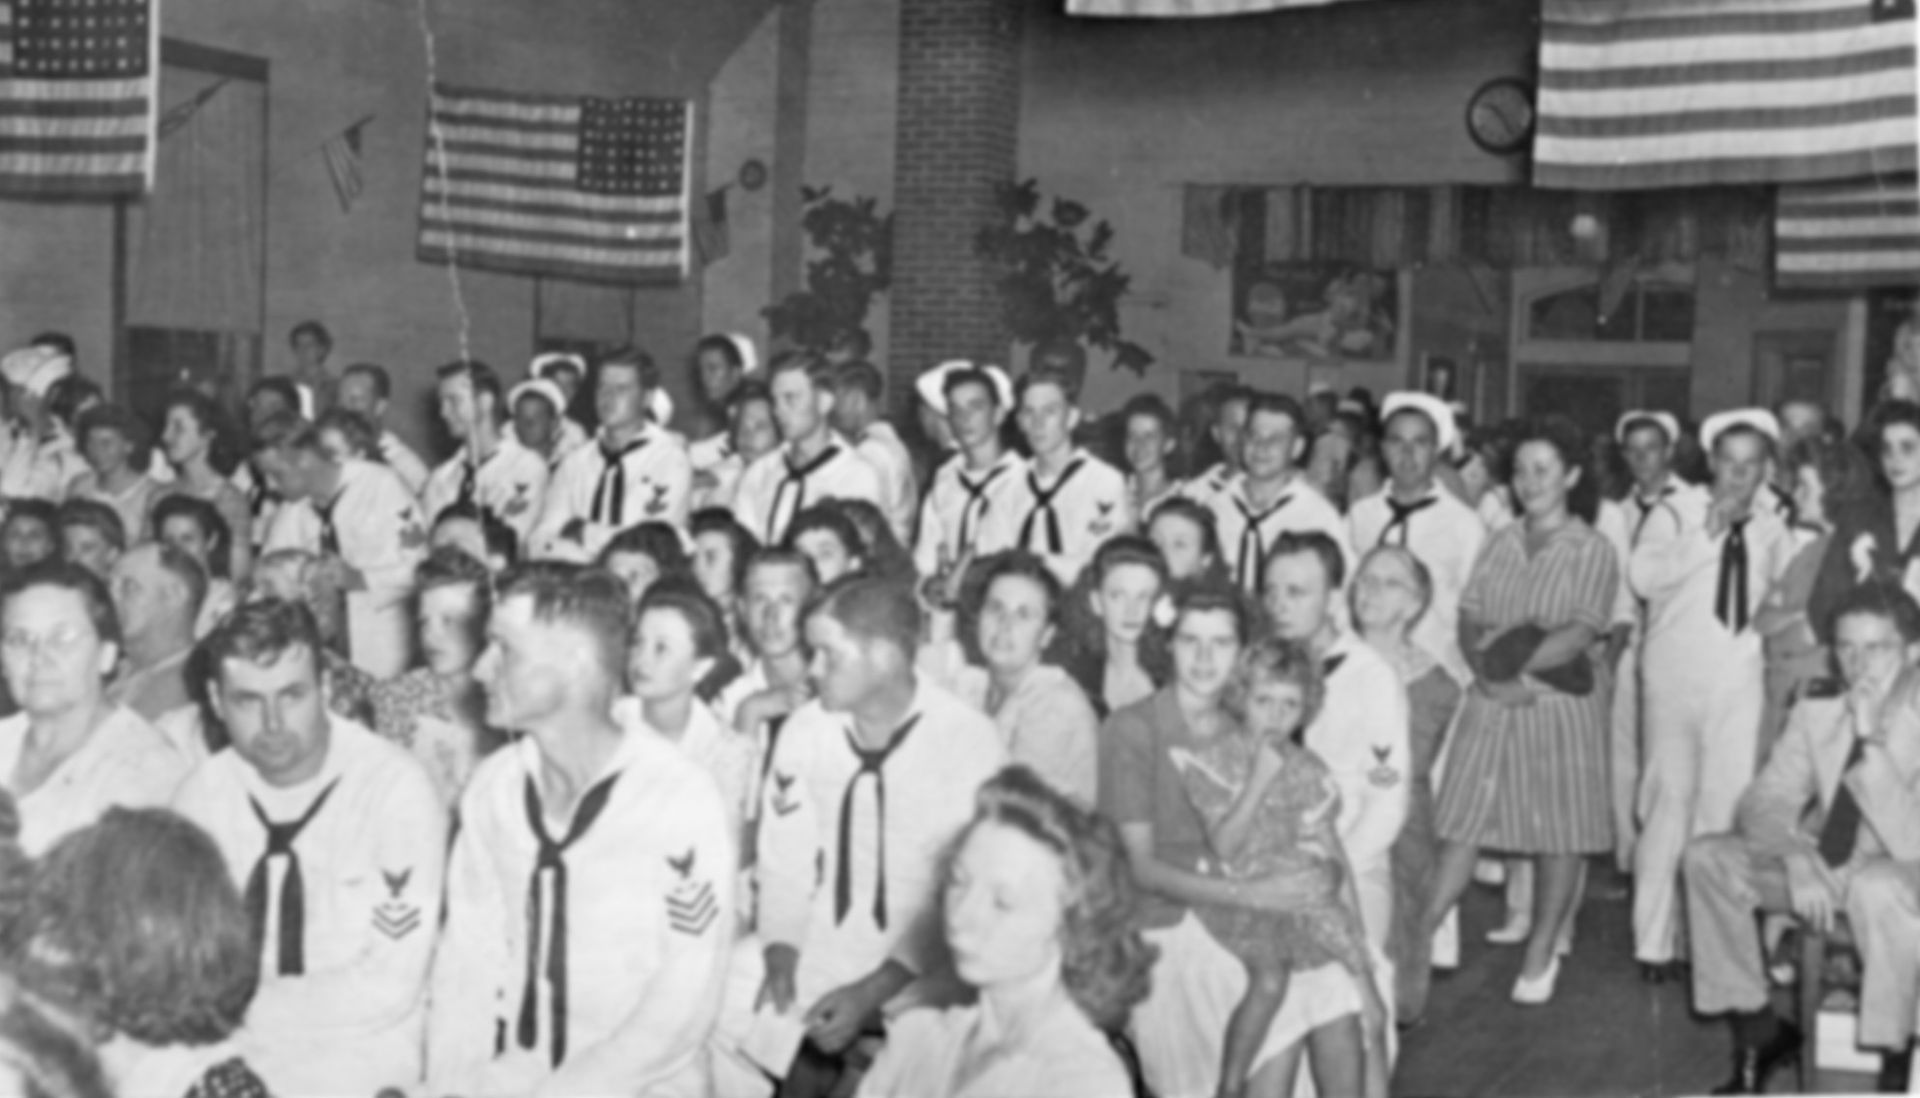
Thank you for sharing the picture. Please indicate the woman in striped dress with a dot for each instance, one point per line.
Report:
(1528, 770)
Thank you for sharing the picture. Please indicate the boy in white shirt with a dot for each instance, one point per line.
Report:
(1069, 501)
(969, 509)
(338, 843)
(1270, 496)
(490, 469)
(812, 464)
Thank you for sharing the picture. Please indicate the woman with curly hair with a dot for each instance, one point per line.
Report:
(114, 444)
(1009, 623)
(134, 927)
(1116, 652)
(196, 528)
(1182, 528)
(827, 536)
(1041, 920)
(204, 450)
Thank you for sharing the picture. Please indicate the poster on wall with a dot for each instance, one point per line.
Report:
(1314, 312)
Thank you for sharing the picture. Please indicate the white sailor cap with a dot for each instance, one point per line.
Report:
(1663, 420)
(1758, 419)
(932, 384)
(540, 387)
(538, 367)
(35, 369)
(1446, 427)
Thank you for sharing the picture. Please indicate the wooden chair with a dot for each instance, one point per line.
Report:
(1812, 989)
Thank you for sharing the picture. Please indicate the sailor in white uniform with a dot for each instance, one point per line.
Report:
(1069, 501)
(490, 470)
(636, 471)
(1702, 667)
(367, 388)
(867, 788)
(338, 844)
(1416, 512)
(812, 464)
(1271, 495)
(859, 413)
(969, 511)
(362, 522)
(590, 900)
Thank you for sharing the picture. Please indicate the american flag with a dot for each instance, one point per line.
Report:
(1664, 93)
(567, 187)
(342, 155)
(1847, 236)
(1183, 9)
(77, 96)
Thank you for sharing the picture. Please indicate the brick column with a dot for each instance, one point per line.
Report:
(955, 140)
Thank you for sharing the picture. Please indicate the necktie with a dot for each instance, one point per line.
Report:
(781, 513)
(469, 477)
(1331, 664)
(1253, 546)
(870, 764)
(290, 951)
(976, 504)
(1043, 505)
(329, 536)
(552, 857)
(1837, 835)
(1647, 508)
(610, 494)
(1730, 599)
(1401, 513)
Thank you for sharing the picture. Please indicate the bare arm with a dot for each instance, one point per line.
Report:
(1279, 893)
(1230, 834)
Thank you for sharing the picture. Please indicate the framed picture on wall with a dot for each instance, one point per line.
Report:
(1325, 313)
(1454, 380)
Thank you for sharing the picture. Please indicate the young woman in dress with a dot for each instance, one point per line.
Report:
(437, 710)
(204, 450)
(1118, 654)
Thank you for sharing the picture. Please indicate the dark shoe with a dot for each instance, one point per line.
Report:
(1752, 1067)
(1894, 1068)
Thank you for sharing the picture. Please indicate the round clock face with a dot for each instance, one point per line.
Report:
(1500, 116)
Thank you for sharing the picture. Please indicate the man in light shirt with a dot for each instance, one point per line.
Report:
(813, 463)
(367, 389)
(859, 413)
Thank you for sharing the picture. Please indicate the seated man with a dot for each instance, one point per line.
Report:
(866, 789)
(158, 590)
(1856, 755)
(590, 902)
(338, 843)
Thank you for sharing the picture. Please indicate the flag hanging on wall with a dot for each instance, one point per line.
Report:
(1184, 9)
(1638, 94)
(546, 185)
(77, 96)
(342, 155)
(1847, 236)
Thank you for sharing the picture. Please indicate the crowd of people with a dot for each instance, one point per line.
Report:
(768, 749)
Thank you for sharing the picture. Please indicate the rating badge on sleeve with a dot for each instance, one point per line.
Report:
(395, 917)
(691, 907)
(1383, 776)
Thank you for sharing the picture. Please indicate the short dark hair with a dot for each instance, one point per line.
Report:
(223, 450)
(1202, 518)
(112, 417)
(745, 393)
(58, 341)
(705, 620)
(862, 377)
(67, 576)
(312, 328)
(286, 431)
(657, 541)
(500, 539)
(1066, 382)
(719, 520)
(1881, 599)
(969, 375)
(635, 359)
(873, 610)
(67, 396)
(481, 376)
(1570, 443)
(779, 556)
(724, 345)
(35, 509)
(376, 376)
(135, 924)
(1315, 543)
(96, 516)
(280, 386)
(1151, 406)
(449, 567)
(1217, 596)
(823, 518)
(818, 370)
(261, 632)
(854, 341)
(591, 600)
(1281, 404)
(980, 578)
(360, 432)
(213, 527)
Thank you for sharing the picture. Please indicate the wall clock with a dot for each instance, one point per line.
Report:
(1500, 116)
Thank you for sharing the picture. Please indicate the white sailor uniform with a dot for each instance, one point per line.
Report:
(402, 459)
(647, 480)
(1065, 519)
(893, 465)
(584, 956)
(772, 490)
(1445, 535)
(968, 510)
(342, 876)
(1247, 533)
(511, 485)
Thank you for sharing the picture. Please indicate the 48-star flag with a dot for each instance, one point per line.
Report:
(77, 96)
(561, 186)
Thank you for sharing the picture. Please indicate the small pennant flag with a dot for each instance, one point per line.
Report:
(342, 154)
(710, 239)
(1847, 236)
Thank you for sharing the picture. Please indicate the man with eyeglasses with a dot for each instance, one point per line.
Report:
(1851, 751)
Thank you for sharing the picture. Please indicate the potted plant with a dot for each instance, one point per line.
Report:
(853, 243)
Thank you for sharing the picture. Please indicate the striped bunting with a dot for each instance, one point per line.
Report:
(1847, 236)
(1639, 94)
(1183, 9)
(566, 187)
(77, 96)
